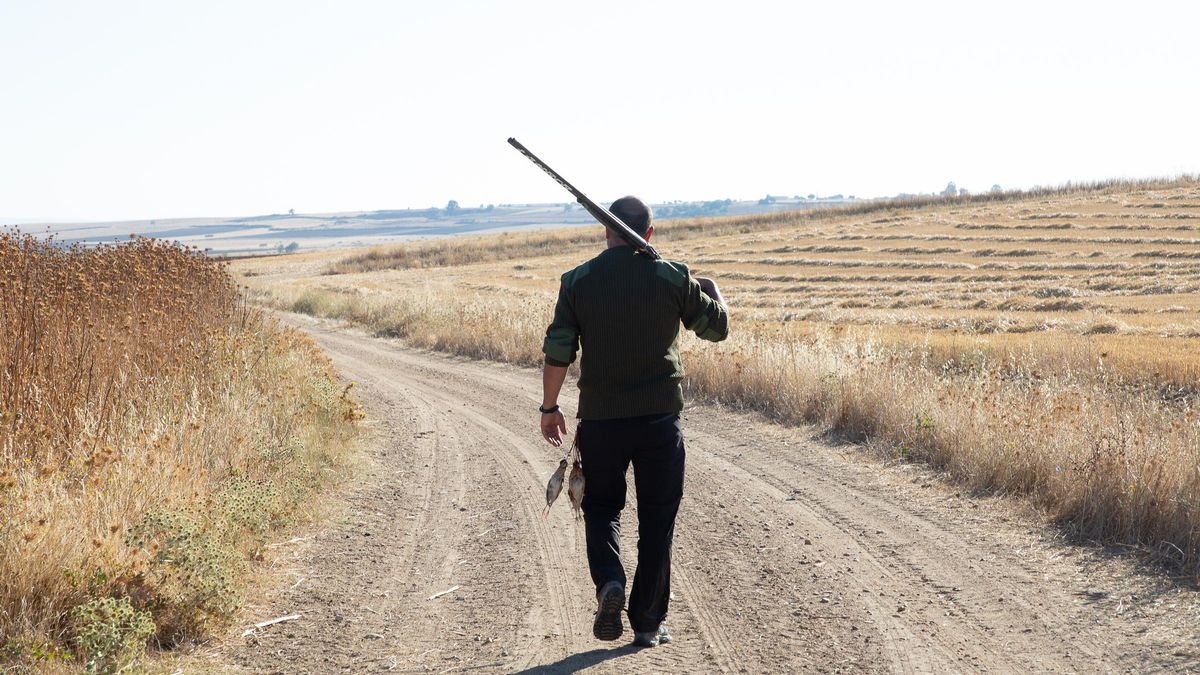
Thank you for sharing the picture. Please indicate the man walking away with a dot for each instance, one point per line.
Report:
(625, 309)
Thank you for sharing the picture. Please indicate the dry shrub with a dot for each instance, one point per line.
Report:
(152, 430)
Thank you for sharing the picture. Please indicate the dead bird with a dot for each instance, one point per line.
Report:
(575, 489)
(554, 487)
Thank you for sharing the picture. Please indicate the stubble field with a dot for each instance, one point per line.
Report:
(1040, 344)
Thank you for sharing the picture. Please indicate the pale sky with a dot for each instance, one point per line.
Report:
(122, 110)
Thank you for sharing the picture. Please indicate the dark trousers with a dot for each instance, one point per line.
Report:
(654, 444)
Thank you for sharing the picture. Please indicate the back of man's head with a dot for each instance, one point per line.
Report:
(633, 212)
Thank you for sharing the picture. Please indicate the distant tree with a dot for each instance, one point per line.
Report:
(963, 192)
(681, 209)
(837, 196)
(451, 206)
(290, 248)
(996, 188)
(291, 212)
(951, 190)
(490, 207)
(811, 196)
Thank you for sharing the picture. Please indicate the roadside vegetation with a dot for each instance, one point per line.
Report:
(154, 432)
(1045, 345)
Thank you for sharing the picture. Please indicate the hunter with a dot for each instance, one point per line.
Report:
(625, 309)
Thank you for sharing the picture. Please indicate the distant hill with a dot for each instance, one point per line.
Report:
(278, 233)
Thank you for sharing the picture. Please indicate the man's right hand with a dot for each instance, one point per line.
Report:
(710, 289)
(553, 426)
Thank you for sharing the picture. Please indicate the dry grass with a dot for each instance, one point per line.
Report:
(153, 431)
(1011, 340)
(504, 329)
(1116, 462)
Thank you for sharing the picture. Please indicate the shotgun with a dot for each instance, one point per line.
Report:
(598, 212)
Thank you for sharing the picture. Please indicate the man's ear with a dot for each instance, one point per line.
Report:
(649, 232)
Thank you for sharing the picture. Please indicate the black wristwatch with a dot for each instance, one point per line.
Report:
(547, 411)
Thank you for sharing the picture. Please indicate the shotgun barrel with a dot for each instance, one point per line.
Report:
(598, 212)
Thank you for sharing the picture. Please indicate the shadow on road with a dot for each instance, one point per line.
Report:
(577, 662)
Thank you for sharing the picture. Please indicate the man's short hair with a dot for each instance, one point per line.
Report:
(633, 212)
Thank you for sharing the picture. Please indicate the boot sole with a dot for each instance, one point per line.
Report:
(607, 626)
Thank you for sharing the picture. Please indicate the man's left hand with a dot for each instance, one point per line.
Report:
(554, 425)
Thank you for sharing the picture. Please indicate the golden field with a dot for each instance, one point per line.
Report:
(1045, 344)
(154, 431)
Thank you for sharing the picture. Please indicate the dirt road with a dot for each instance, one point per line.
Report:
(792, 555)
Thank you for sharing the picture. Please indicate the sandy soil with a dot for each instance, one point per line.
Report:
(792, 554)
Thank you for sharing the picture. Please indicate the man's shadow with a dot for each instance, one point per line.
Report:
(577, 662)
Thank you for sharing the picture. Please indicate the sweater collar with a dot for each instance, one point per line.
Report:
(615, 251)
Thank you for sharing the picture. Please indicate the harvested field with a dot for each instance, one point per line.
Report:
(1059, 366)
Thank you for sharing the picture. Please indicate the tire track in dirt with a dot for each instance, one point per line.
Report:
(789, 557)
(347, 591)
(700, 603)
(546, 545)
(977, 592)
(448, 537)
(517, 483)
(904, 645)
(489, 411)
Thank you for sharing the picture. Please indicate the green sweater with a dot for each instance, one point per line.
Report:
(625, 310)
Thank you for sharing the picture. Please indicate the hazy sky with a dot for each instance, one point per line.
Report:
(117, 110)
